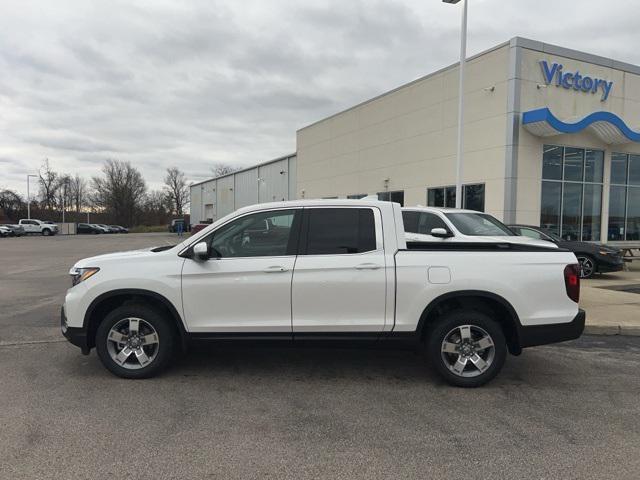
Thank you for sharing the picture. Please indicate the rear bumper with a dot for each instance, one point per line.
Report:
(554, 333)
(77, 336)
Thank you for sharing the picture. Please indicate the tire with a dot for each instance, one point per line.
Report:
(46, 232)
(156, 329)
(479, 365)
(588, 265)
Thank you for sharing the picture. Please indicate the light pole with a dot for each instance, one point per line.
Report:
(463, 56)
(29, 198)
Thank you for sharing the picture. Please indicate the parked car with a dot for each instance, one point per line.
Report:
(119, 229)
(88, 228)
(107, 228)
(313, 270)
(197, 227)
(593, 257)
(16, 230)
(439, 224)
(4, 231)
(38, 226)
(100, 227)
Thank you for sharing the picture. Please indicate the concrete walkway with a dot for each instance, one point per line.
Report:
(611, 312)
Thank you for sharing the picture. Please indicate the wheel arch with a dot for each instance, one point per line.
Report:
(487, 302)
(106, 302)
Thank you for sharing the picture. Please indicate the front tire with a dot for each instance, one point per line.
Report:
(135, 341)
(46, 232)
(467, 348)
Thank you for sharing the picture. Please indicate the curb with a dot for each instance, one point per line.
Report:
(629, 331)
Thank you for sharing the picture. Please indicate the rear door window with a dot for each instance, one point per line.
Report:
(336, 231)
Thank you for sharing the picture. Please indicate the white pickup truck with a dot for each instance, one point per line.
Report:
(319, 270)
(39, 227)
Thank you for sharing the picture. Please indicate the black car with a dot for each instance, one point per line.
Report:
(84, 228)
(593, 257)
(118, 229)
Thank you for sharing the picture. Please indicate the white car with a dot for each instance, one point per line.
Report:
(317, 270)
(439, 224)
(32, 226)
(4, 231)
(102, 228)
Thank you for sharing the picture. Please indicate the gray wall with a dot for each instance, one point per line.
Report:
(269, 182)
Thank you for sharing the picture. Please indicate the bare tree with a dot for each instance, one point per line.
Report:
(78, 192)
(48, 179)
(176, 190)
(155, 208)
(11, 204)
(220, 169)
(63, 191)
(119, 191)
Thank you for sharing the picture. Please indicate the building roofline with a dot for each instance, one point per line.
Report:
(574, 54)
(513, 42)
(268, 162)
(405, 85)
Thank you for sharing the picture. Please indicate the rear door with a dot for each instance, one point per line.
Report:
(339, 280)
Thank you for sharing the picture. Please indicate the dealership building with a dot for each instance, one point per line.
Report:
(551, 138)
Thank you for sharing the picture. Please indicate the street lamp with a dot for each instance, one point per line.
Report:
(29, 198)
(463, 56)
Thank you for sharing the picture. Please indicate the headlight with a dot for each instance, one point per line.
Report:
(605, 252)
(81, 274)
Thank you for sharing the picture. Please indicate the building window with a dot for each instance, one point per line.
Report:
(397, 196)
(624, 198)
(472, 197)
(571, 200)
(356, 196)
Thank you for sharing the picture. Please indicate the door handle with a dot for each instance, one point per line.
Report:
(275, 269)
(368, 266)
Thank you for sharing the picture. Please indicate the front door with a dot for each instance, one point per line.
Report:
(245, 286)
(339, 281)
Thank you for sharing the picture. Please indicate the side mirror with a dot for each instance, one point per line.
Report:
(440, 233)
(201, 251)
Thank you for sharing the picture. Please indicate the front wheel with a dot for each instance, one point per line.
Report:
(135, 341)
(587, 266)
(467, 348)
(46, 232)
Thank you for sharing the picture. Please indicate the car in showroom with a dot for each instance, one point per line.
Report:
(309, 271)
(592, 257)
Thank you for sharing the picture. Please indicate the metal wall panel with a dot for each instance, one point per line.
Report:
(273, 182)
(225, 196)
(196, 204)
(246, 188)
(292, 174)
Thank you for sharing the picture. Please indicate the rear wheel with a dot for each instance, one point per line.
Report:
(135, 341)
(467, 348)
(587, 265)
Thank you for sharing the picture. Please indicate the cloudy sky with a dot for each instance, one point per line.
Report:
(189, 83)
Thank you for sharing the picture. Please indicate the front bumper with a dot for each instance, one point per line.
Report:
(552, 333)
(609, 264)
(77, 336)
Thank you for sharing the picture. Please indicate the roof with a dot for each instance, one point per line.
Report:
(419, 208)
(268, 162)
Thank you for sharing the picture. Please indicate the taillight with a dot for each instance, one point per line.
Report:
(572, 281)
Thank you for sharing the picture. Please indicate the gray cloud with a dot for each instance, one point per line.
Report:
(193, 82)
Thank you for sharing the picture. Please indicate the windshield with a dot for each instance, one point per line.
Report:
(478, 224)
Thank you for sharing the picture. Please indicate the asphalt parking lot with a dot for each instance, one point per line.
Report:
(563, 411)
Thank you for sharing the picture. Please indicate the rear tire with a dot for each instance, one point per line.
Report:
(135, 341)
(467, 348)
(588, 265)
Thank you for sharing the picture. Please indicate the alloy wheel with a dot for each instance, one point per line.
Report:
(133, 343)
(468, 350)
(586, 267)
